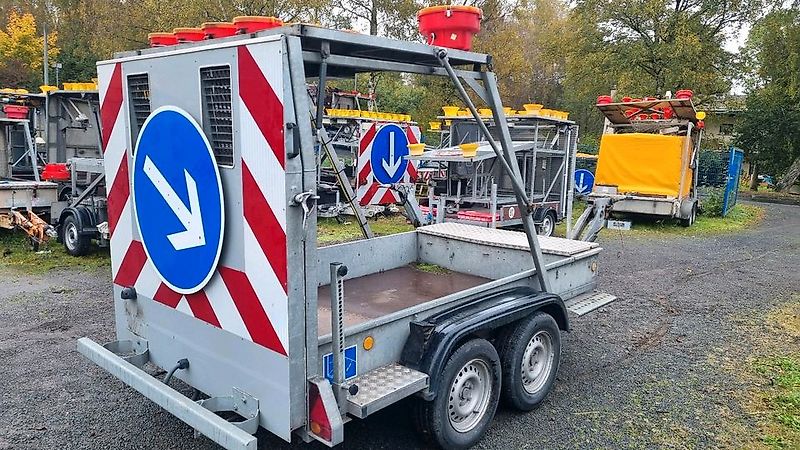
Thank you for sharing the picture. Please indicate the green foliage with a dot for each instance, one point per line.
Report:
(768, 129)
(713, 203)
(21, 51)
(77, 63)
(430, 268)
(16, 252)
(739, 218)
(783, 400)
(559, 53)
(651, 46)
(330, 231)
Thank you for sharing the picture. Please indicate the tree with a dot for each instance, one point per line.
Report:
(659, 45)
(21, 51)
(768, 130)
(528, 46)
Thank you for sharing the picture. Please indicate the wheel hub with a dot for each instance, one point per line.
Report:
(469, 395)
(547, 226)
(71, 235)
(537, 361)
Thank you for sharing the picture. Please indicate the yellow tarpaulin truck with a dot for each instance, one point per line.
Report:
(647, 162)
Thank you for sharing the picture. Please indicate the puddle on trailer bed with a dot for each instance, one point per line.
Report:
(379, 294)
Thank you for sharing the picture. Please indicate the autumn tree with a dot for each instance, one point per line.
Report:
(768, 130)
(659, 45)
(21, 51)
(527, 45)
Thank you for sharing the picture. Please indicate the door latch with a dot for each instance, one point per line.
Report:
(304, 200)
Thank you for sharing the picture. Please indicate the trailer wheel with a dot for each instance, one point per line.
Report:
(466, 399)
(548, 225)
(689, 221)
(530, 352)
(75, 244)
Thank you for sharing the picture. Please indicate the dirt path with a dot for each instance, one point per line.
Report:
(641, 373)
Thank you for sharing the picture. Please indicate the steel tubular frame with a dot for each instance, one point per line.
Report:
(507, 159)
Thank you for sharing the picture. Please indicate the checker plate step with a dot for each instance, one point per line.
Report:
(383, 386)
(586, 303)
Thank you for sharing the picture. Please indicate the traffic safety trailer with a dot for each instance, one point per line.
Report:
(218, 280)
(648, 158)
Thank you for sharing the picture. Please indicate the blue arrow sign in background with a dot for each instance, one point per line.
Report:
(388, 156)
(584, 180)
(178, 203)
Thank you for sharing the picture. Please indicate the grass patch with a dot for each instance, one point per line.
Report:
(774, 370)
(781, 400)
(740, 218)
(330, 231)
(16, 252)
(430, 268)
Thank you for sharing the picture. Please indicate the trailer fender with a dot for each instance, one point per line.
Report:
(84, 216)
(540, 212)
(687, 207)
(433, 339)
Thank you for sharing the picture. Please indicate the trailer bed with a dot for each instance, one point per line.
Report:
(37, 195)
(379, 294)
(456, 258)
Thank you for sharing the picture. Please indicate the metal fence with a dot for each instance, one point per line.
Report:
(718, 174)
(712, 168)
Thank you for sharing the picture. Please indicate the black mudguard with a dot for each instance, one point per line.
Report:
(87, 223)
(432, 340)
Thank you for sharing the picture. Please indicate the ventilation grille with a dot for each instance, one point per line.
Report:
(139, 94)
(217, 119)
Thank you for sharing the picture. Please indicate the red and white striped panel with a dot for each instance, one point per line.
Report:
(263, 180)
(115, 141)
(249, 301)
(368, 191)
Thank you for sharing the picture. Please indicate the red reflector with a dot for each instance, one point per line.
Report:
(320, 425)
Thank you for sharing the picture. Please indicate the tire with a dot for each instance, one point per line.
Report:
(455, 419)
(74, 243)
(530, 351)
(548, 225)
(691, 219)
(65, 194)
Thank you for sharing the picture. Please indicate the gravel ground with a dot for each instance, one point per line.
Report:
(640, 373)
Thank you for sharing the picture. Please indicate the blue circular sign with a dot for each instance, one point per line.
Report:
(584, 180)
(177, 199)
(389, 152)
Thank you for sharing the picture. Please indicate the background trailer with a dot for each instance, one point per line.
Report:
(648, 158)
(219, 281)
(476, 191)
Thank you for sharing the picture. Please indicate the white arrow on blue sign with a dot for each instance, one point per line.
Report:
(350, 363)
(177, 199)
(389, 152)
(584, 180)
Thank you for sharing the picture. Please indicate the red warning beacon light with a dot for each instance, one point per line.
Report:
(252, 24)
(451, 26)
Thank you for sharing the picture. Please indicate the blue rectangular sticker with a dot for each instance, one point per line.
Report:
(350, 364)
